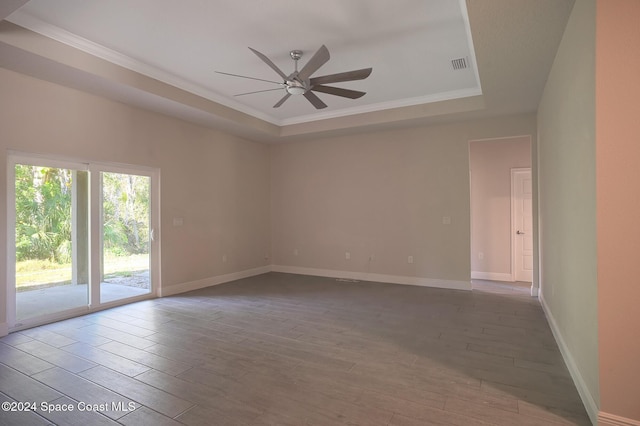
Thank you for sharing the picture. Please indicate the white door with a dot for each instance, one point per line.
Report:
(522, 224)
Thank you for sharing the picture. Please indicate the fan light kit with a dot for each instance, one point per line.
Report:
(301, 83)
(294, 87)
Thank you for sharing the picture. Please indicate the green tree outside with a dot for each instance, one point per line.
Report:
(44, 218)
(43, 214)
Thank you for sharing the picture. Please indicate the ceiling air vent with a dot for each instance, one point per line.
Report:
(459, 64)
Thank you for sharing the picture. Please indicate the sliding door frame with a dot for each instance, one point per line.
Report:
(94, 170)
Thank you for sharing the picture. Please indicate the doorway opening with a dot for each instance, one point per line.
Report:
(501, 209)
(83, 238)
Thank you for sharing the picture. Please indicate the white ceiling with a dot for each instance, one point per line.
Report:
(409, 44)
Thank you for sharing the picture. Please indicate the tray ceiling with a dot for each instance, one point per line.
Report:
(162, 55)
(410, 45)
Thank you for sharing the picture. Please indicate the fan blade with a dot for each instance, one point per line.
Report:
(250, 78)
(315, 101)
(281, 101)
(338, 91)
(316, 61)
(257, 91)
(342, 76)
(271, 64)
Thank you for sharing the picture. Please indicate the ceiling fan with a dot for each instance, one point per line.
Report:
(301, 82)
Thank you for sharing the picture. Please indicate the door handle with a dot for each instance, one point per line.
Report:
(519, 232)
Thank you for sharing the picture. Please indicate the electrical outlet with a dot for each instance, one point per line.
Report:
(178, 221)
(347, 255)
(480, 255)
(446, 220)
(410, 259)
(371, 257)
(295, 252)
(224, 258)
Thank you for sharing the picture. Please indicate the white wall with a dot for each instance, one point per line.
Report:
(491, 162)
(218, 183)
(567, 200)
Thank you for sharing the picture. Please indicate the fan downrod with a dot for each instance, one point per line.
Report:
(293, 85)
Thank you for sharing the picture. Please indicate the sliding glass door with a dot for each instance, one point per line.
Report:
(47, 277)
(126, 236)
(84, 238)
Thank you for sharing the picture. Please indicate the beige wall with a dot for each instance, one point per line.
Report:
(618, 201)
(385, 193)
(567, 199)
(382, 193)
(218, 183)
(491, 162)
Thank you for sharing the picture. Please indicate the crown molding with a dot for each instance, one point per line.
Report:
(63, 36)
(381, 106)
(53, 32)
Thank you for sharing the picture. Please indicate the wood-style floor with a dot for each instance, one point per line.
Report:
(282, 349)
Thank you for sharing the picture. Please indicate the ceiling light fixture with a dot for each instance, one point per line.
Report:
(295, 87)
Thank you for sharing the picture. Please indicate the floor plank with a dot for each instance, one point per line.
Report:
(84, 391)
(146, 417)
(75, 417)
(14, 417)
(23, 388)
(107, 359)
(22, 361)
(56, 356)
(138, 391)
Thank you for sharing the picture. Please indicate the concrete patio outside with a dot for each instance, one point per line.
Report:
(44, 301)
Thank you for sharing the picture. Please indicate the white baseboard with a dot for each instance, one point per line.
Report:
(4, 329)
(587, 399)
(492, 276)
(606, 419)
(361, 276)
(364, 276)
(535, 291)
(208, 282)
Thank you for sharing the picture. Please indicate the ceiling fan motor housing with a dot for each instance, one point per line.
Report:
(295, 87)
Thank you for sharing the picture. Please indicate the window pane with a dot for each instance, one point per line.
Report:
(125, 236)
(51, 257)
